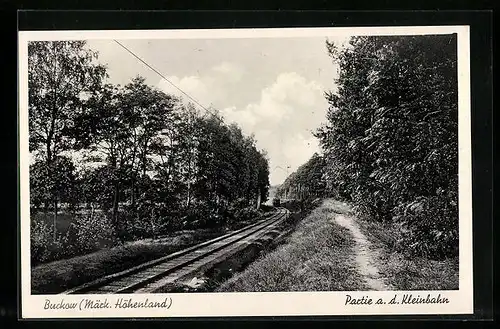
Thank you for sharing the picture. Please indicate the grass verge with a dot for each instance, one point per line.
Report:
(404, 272)
(316, 257)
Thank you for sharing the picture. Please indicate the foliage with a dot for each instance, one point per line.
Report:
(152, 163)
(60, 74)
(391, 141)
(92, 232)
(43, 246)
(239, 211)
(87, 233)
(53, 182)
(307, 182)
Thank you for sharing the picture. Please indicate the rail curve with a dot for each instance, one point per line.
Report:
(150, 276)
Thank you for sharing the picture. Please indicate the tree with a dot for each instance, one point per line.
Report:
(391, 140)
(123, 124)
(263, 178)
(60, 76)
(147, 113)
(307, 181)
(52, 189)
(149, 161)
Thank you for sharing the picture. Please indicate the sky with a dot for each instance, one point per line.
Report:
(271, 87)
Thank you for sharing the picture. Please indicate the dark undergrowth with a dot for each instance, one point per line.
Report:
(84, 232)
(405, 271)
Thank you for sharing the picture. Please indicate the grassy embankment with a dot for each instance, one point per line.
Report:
(320, 255)
(317, 256)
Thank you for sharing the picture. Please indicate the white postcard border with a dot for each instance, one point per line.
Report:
(256, 304)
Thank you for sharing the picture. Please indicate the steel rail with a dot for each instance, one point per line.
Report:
(141, 275)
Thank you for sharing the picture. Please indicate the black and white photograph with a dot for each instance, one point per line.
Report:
(162, 170)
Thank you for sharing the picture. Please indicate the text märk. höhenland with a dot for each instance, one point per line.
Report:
(103, 303)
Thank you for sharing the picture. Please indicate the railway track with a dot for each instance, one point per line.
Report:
(153, 275)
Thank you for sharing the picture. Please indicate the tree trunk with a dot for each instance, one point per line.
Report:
(116, 199)
(144, 158)
(49, 149)
(153, 226)
(132, 191)
(188, 201)
(134, 171)
(55, 220)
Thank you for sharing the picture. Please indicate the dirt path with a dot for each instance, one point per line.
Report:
(365, 257)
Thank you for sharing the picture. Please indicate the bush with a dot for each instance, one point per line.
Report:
(430, 227)
(240, 212)
(43, 246)
(93, 232)
(87, 233)
(139, 224)
(200, 215)
(292, 205)
(246, 214)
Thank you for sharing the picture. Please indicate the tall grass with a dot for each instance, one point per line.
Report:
(317, 257)
(403, 269)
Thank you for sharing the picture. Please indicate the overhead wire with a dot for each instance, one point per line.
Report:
(170, 82)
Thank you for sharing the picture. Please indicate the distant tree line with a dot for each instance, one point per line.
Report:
(391, 142)
(307, 182)
(150, 162)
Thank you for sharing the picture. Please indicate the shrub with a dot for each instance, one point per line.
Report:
(200, 215)
(131, 226)
(39, 236)
(43, 246)
(430, 227)
(93, 231)
(246, 214)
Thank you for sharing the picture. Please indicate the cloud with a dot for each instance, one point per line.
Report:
(297, 150)
(210, 89)
(245, 119)
(290, 96)
(229, 71)
(195, 86)
(292, 152)
(282, 118)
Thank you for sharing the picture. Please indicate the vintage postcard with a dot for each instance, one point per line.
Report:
(245, 172)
